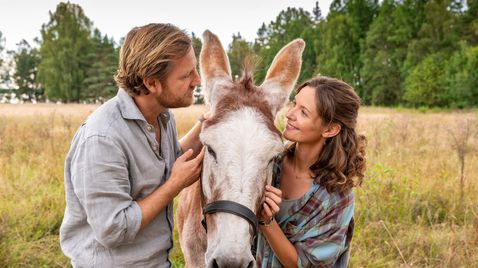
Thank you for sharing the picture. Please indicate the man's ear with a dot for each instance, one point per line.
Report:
(153, 85)
(332, 130)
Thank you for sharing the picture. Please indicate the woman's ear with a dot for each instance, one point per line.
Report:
(153, 85)
(332, 130)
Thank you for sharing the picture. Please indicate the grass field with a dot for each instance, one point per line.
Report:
(411, 211)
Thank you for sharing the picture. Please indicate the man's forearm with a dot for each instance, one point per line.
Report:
(191, 139)
(153, 204)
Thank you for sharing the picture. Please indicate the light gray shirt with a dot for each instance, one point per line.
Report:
(115, 161)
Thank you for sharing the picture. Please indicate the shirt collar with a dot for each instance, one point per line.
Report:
(129, 109)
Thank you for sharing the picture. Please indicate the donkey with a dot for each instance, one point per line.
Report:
(241, 142)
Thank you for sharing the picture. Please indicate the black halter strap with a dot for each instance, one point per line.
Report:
(232, 208)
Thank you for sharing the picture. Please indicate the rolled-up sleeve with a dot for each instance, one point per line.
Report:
(101, 182)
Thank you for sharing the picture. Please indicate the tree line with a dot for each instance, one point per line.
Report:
(71, 62)
(406, 52)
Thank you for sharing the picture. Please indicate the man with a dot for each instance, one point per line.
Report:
(125, 165)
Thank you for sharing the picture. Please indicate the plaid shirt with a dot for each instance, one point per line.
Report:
(319, 225)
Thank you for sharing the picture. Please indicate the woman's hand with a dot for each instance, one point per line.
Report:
(271, 205)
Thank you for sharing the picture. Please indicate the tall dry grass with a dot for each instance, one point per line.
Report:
(408, 210)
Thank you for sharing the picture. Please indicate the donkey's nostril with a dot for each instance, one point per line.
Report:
(214, 264)
(251, 264)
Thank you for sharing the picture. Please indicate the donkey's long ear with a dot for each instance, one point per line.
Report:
(283, 73)
(214, 65)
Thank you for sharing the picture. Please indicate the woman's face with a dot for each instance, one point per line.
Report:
(303, 122)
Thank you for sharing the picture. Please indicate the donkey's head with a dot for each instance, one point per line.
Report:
(241, 141)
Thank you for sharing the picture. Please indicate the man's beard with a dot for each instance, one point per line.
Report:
(169, 100)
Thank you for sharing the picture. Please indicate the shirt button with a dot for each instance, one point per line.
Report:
(155, 147)
(150, 128)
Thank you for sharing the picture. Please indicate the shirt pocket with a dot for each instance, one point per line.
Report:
(147, 178)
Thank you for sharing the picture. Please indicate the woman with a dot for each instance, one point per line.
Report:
(307, 220)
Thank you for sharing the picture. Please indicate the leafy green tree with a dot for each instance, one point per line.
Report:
(424, 86)
(99, 82)
(259, 46)
(309, 56)
(362, 13)
(237, 52)
(437, 34)
(261, 40)
(317, 12)
(469, 22)
(392, 52)
(197, 44)
(359, 15)
(26, 61)
(336, 7)
(338, 49)
(64, 53)
(461, 78)
(380, 72)
(408, 18)
(290, 24)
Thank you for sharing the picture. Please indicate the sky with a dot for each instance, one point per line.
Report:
(21, 19)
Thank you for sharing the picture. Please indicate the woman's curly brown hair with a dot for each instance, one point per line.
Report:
(341, 163)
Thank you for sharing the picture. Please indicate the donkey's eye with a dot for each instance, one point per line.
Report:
(211, 152)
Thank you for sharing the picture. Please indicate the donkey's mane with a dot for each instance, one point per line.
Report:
(247, 77)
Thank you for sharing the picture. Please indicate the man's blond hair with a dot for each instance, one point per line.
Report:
(148, 52)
